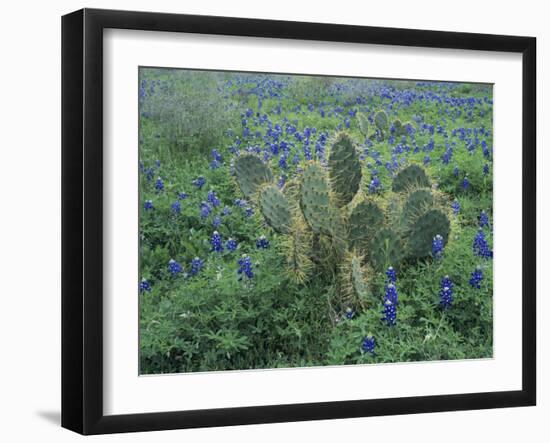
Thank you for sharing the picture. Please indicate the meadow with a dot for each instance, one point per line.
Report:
(294, 221)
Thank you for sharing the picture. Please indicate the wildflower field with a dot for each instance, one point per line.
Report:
(293, 221)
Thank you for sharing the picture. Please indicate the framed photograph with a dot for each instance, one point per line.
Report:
(270, 221)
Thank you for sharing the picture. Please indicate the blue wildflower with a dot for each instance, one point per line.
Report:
(483, 219)
(205, 209)
(369, 344)
(216, 221)
(199, 182)
(216, 242)
(176, 207)
(476, 278)
(182, 195)
(245, 267)
(455, 171)
(196, 265)
(159, 184)
(437, 246)
(262, 242)
(231, 244)
(390, 305)
(144, 286)
(350, 313)
(374, 185)
(485, 169)
(481, 246)
(226, 210)
(456, 207)
(446, 292)
(174, 267)
(148, 205)
(212, 198)
(249, 212)
(465, 183)
(390, 274)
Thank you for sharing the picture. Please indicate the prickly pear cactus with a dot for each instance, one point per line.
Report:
(365, 219)
(412, 176)
(398, 128)
(275, 209)
(417, 202)
(251, 174)
(297, 247)
(314, 198)
(432, 223)
(344, 169)
(386, 249)
(381, 121)
(363, 124)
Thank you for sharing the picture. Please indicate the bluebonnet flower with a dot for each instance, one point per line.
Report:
(427, 159)
(216, 221)
(349, 313)
(390, 305)
(465, 183)
(226, 210)
(374, 185)
(262, 242)
(159, 184)
(199, 182)
(282, 161)
(174, 267)
(456, 207)
(241, 203)
(176, 207)
(485, 169)
(148, 205)
(245, 267)
(437, 246)
(205, 209)
(231, 244)
(213, 199)
(483, 219)
(476, 278)
(196, 265)
(281, 181)
(446, 292)
(249, 212)
(157, 163)
(455, 171)
(216, 156)
(216, 242)
(390, 274)
(481, 246)
(144, 285)
(369, 345)
(182, 195)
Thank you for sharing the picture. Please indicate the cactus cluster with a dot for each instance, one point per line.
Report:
(327, 220)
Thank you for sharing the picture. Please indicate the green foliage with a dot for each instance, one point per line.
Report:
(293, 312)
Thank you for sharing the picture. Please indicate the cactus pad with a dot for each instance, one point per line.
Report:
(386, 249)
(381, 121)
(364, 220)
(251, 174)
(297, 249)
(358, 278)
(344, 169)
(363, 124)
(416, 204)
(275, 209)
(409, 177)
(423, 231)
(314, 198)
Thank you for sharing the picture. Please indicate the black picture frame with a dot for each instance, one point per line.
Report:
(82, 215)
